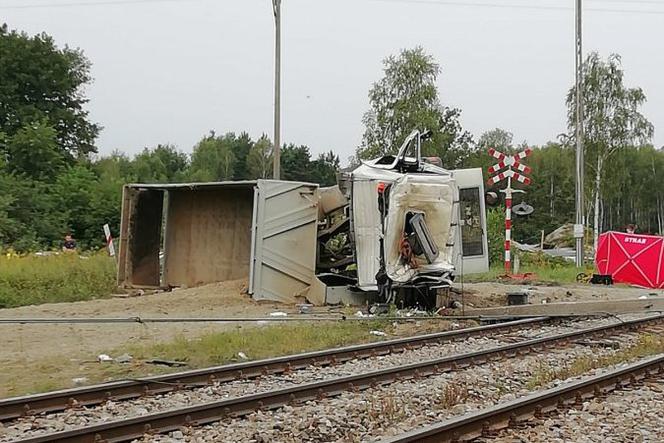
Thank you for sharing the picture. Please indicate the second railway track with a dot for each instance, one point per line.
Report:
(521, 411)
(127, 429)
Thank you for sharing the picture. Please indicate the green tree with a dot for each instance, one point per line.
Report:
(406, 98)
(41, 84)
(496, 138)
(551, 192)
(296, 163)
(116, 168)
(75, 194)
(163, 164)
(259, 159)
(325, 168)
(241, 147)
(213, 158)
(33, 151)
(8, 225)
(454, 145)
(495, 225)
(29, 217)
(112, 173)
(612, 120)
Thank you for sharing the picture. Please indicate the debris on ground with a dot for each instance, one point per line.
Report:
(79, 381)
(278, 314)
(379, 308)
(412, 313)
(456, 304)
(361, 314)
(104, 358)
(305, 308)
(159, 361)
(242, 355)
(561, 237)
(124, 358)
(378, 333)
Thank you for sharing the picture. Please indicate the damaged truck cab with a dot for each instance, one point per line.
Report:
(407, 229)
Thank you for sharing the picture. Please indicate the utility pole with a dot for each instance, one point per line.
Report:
(579, 229)
(276, 7)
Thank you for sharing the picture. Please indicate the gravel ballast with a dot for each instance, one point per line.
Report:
(406, 403)
(632, 415)
(391, 409)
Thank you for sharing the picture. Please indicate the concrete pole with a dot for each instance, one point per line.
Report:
(276, 171)
(580, 218)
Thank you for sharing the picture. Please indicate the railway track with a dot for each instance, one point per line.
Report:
(16, 407)
(136, 427)
(487, 421)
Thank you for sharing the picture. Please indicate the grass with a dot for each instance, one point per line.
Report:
(32, 280)
(23, 377)
(544, 274)
(259, 342)
(647, 345)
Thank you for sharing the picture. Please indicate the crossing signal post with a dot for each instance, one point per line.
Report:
(509, 167)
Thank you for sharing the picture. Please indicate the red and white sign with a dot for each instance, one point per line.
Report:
(514, 169)
(109, 240)
(631, 258)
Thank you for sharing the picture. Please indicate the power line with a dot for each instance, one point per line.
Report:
(630, 2)
(518, 6)
(430, 2)
(90, 3)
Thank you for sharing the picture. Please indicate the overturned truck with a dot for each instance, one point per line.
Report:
(396, 229)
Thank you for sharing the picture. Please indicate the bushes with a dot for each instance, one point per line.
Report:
(31, 279)
(495, 226)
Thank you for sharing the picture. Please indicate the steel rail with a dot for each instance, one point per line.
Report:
(16, 407)
(304, 319)
(128, 429)
(504, 415)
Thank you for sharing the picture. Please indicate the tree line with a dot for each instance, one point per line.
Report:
(37, 211)
(623, 169)
(53, 181)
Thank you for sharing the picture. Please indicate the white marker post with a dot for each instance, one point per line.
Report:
(109, 240)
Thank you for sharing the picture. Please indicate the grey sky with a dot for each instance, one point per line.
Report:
(168, 72)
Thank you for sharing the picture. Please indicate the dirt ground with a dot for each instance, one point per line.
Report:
(481, 295)
(31, 351)
(33, 341)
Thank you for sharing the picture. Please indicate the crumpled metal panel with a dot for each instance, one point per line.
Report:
(433, 196)
(366, 231)
(437, 184)
(283, 261)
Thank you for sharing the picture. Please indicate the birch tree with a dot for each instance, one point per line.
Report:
(259, 159)
(406, 98)
(611, 121)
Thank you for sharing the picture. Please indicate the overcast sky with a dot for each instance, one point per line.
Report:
(169, 71)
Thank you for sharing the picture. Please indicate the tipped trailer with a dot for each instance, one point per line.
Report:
(396, 229)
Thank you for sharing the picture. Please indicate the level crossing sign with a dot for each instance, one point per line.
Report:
(509, 167)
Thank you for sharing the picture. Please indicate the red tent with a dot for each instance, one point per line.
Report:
(631, 258)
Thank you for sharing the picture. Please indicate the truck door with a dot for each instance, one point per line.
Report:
(472, 255)
(283, 258)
